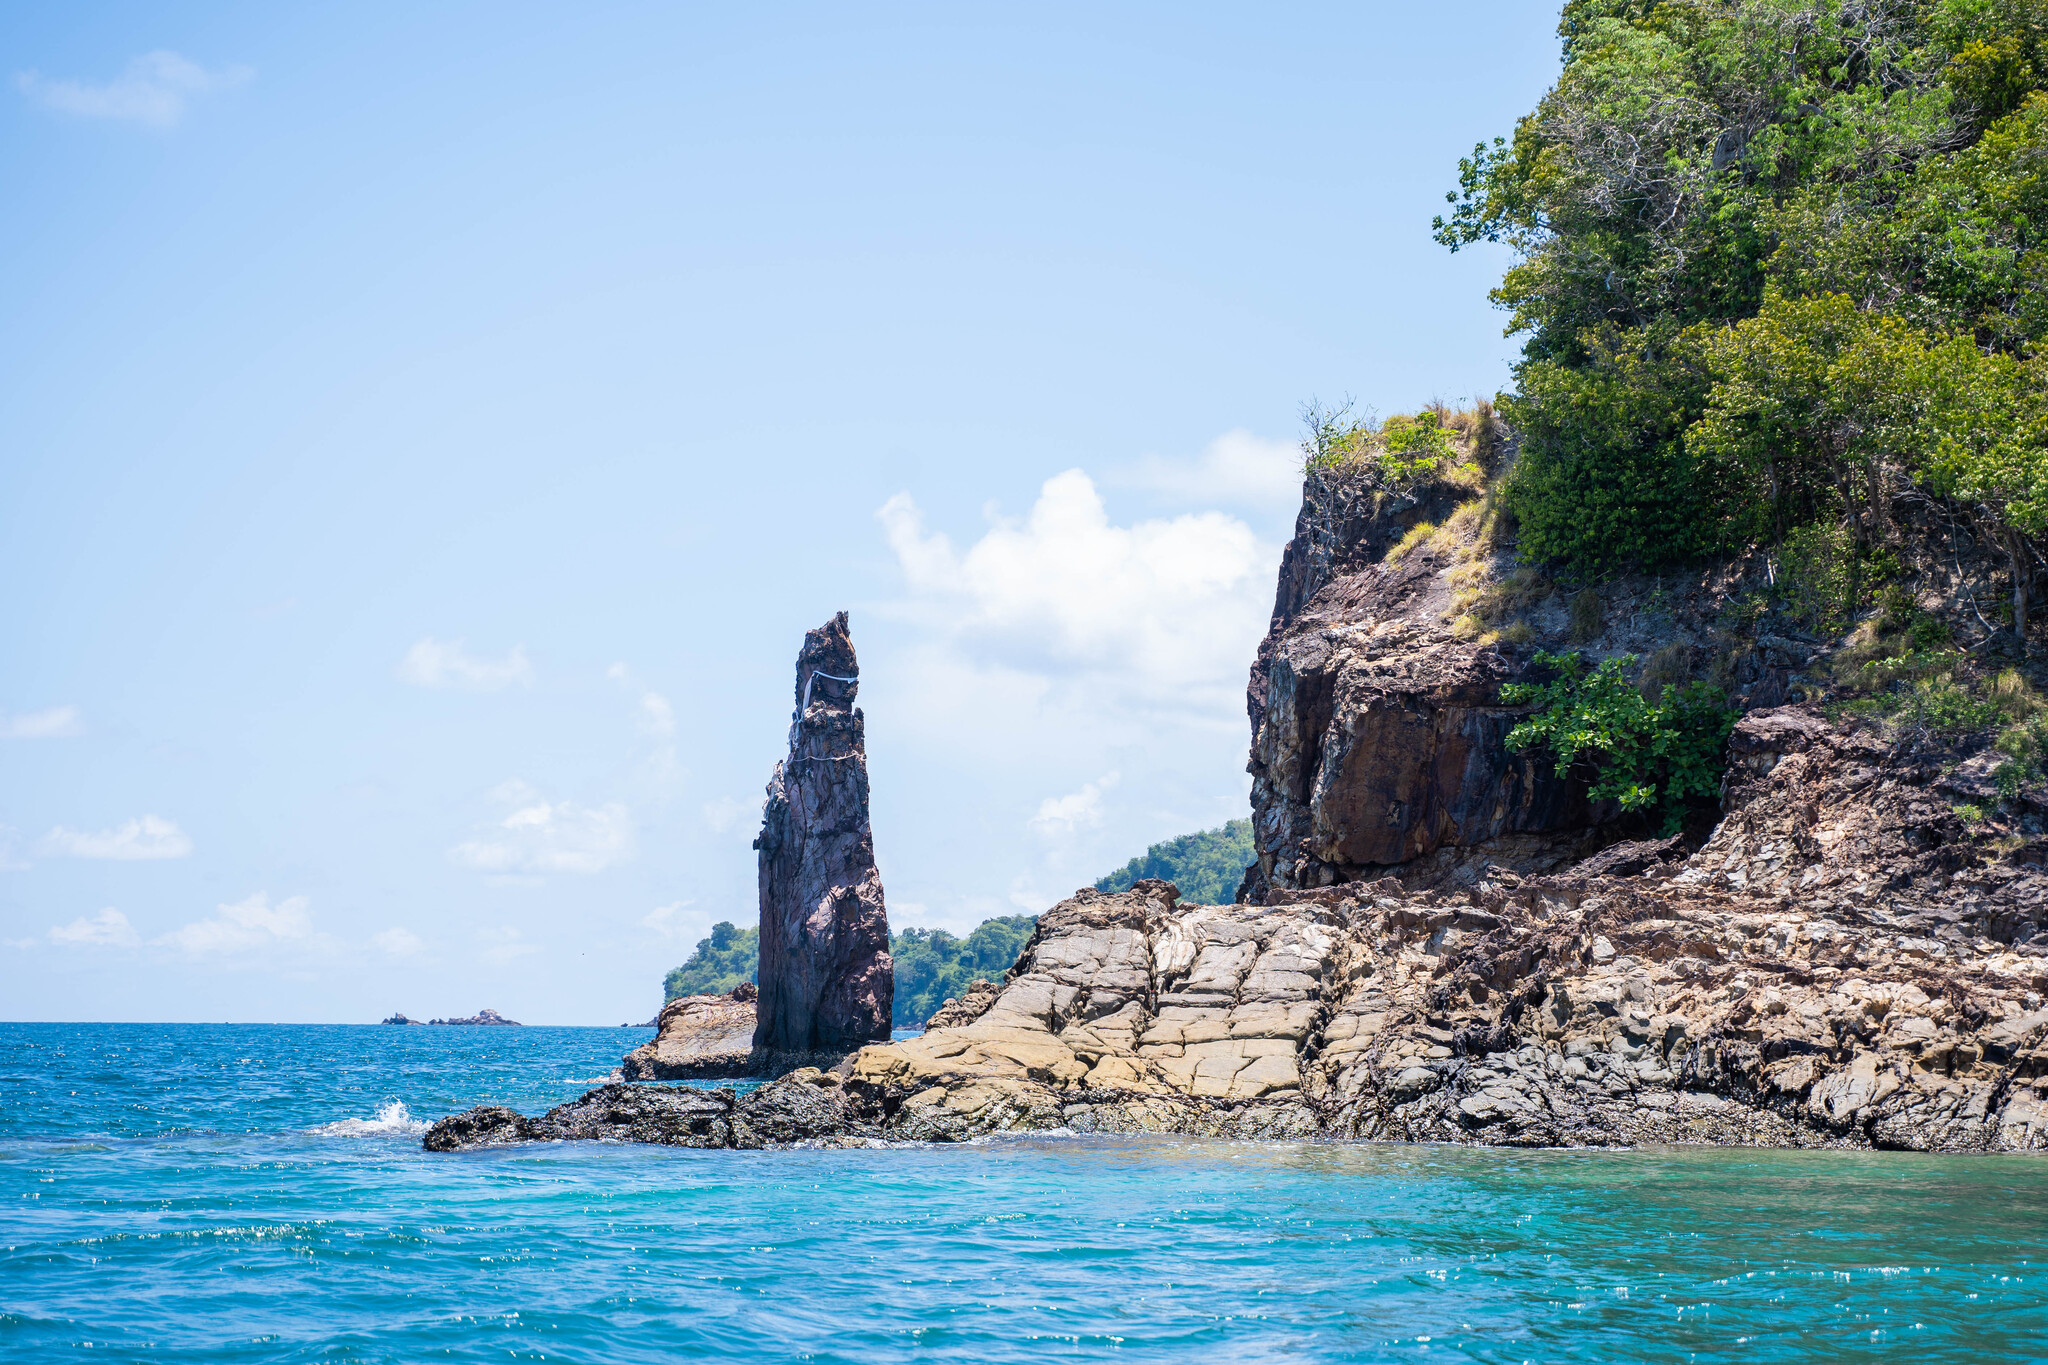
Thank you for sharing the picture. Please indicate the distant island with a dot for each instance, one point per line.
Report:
(480, 1017)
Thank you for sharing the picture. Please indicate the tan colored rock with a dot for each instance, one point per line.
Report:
(1366, 1011)
(700, 1036)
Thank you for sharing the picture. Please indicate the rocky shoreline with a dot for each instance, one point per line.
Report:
(1567, 1011)
(1442, 939)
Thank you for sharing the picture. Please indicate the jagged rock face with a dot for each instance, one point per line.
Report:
(826, 978)
(1855, 826)
(1539, 1011)
(1563, 1010)
(1377, 734)
(699, 1036)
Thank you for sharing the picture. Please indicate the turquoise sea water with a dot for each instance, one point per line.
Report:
(258, 1193)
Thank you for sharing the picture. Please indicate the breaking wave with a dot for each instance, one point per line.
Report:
(392, 1120)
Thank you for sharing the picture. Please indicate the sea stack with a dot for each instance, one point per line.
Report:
(827, 981)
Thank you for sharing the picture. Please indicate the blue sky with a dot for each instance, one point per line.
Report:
(429, 431)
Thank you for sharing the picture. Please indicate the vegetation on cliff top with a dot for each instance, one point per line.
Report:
(1205, 866)
(1776, 258)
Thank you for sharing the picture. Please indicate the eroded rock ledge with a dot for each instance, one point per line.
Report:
(1541, 1011)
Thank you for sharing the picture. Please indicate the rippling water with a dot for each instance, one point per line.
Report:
(258, 1193)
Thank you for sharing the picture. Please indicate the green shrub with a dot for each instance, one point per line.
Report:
(1645, 753)
(2024, 746)
(1937, 705)
(1813, 574)
(1604, 478)
(1412, 448)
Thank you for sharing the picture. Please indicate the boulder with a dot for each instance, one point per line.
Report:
(701, 1036)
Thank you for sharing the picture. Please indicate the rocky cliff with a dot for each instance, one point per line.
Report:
(1444, 941)
(1377, 727)
(826, 979)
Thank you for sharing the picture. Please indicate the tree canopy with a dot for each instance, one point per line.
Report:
(1206, 866)
(1773, 257)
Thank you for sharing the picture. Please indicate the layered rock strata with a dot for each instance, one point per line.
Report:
(826, 978)
(1563, 1010)
(699, 1036)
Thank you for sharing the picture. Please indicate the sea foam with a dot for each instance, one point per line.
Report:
(392, 1120)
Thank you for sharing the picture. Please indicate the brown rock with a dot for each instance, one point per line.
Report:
(827, 980)
(1532, 1011)
(968, 1008)
(700, 1036)
(1377, 733)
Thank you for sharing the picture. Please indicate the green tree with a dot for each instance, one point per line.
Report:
(1985, 443)
(932, 966)
(1701, 163)
(1206, 866)
(731, 955)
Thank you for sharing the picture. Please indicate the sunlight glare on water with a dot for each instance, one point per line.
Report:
(258, 1193)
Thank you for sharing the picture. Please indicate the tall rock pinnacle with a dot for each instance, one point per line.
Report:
(827, 981)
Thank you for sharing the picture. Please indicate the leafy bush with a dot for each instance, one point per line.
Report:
(1205, 866)
(2024, 746)
(731, 955)
(1644, 753)
(1937, 705)
(932, 966)
(1772, 256)
(1813, 574)
(1411, 448)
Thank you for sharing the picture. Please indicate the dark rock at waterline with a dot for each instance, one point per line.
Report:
(827, 980)
(401, 1019)
(806, 1106)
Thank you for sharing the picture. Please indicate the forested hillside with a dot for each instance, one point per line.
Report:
(1778, 262)
(1205, 866)
(931, 964)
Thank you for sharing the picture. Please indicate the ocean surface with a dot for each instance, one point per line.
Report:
(258, 1193)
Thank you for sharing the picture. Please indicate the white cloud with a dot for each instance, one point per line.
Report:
(505, 945)
(665, 919)
(150, 836)
(656, 715)
(1061, 644)
(1237, 468)
(153, 90)
(246, 926)
(1059, 816)
(725, 813)
(1173, 608)
(56, 723)
(108, 929)
(445, 663)
(397, 942)
(549, 836)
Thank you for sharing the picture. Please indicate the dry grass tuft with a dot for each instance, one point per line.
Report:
(1588, 613)
(1417, 533)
